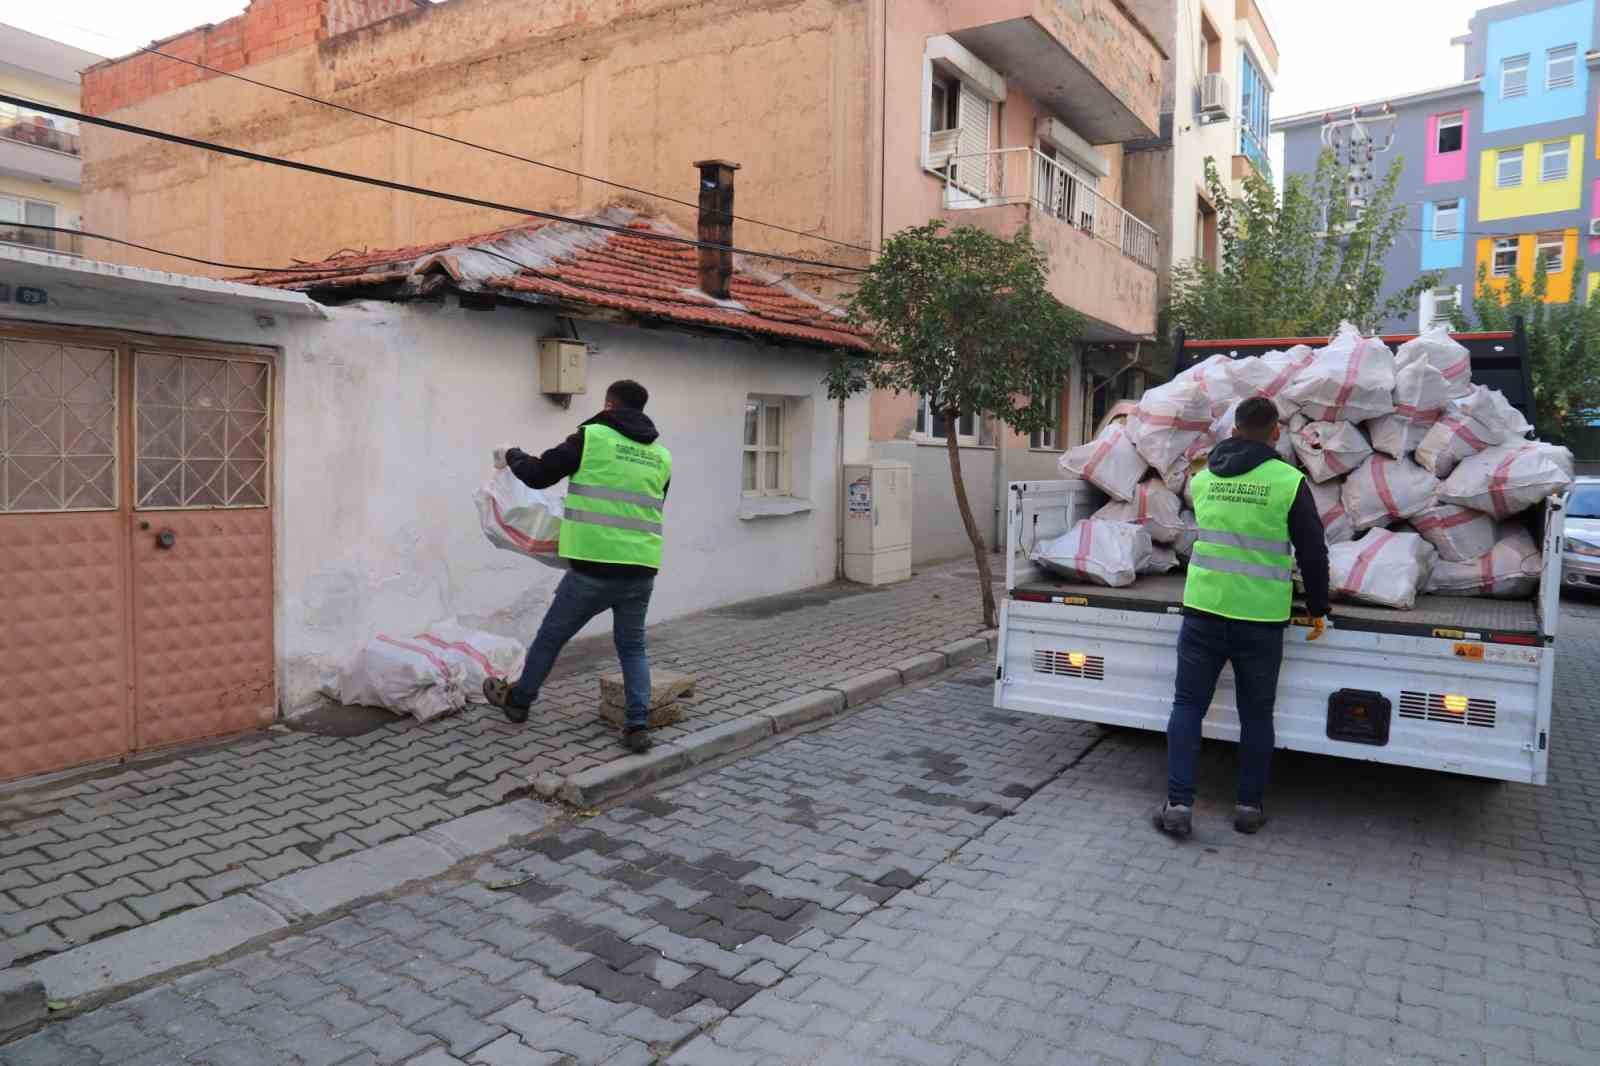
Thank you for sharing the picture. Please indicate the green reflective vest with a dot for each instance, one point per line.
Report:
(614, 501)
(1243, 565)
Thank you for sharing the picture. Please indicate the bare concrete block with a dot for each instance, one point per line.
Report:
(615, 714)
(22, 999)
(727, 737)
(792, 714)
(869, 686)
(919, 666)
(965, 651)
(991, 637)
(665, 687)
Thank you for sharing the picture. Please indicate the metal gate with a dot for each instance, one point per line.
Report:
(135, 546)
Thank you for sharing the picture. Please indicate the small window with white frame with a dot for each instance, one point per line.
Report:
(1446, 299)
(1552, 252)
(1505, 257)
(1554, 160)
(1049, 438)
(1451, 133)
(1514, 76)
(1447, 220)
(931, 425)
(766, 447)
(1561, 67)
(1508, 168)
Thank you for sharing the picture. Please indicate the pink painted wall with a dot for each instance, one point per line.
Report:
(1453, 166)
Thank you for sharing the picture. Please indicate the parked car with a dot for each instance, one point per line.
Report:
(1580, 562)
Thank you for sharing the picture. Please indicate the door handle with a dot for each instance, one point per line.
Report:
(166, 539)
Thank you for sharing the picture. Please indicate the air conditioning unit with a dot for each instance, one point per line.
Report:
(1594, 227)
(1214, 97)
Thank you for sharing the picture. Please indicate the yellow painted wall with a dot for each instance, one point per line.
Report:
(14, 82)
(1594, 280)
(1532, 197)
(1560, 285)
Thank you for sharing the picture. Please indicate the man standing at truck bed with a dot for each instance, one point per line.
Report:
(1250, 507)
(611, 534)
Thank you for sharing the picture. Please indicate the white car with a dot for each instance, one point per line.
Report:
(1580, 561)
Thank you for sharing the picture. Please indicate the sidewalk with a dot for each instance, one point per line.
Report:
(92, 854)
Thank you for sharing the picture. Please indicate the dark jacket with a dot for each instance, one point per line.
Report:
(1236, 456)
(563, 460)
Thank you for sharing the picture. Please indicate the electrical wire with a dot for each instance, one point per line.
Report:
(396, 186)
(162, 251)
(152, 50)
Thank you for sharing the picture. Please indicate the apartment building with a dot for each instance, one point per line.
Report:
(1501, 168)
(41, 166)
(849, 119)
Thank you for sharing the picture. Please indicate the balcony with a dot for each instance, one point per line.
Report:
(40, 146)
(40, 241)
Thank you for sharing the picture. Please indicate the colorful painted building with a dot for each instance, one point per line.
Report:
(1502, 169)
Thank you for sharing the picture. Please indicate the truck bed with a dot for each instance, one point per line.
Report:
(1164, 593)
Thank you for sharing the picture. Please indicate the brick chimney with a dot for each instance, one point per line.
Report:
(716, 225)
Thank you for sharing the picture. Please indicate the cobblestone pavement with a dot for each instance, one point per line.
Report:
(86, 856)
(934, 882)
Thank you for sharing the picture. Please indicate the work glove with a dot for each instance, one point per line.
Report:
(514, 456)
(1319, 626)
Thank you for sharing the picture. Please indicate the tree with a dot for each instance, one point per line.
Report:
(1294, 266)
(964, 318)
(1563, 344)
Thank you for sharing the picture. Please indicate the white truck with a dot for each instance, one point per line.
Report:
(1455, 684)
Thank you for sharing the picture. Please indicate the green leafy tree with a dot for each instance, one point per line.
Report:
(1563, 344)
(964, 318)
(1295, 265)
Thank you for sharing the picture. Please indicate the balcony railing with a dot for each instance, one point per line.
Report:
(1026, 175)
(29, 237)
(28, 126)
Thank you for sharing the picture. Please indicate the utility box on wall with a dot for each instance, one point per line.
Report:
(563, 367)
(877, 522)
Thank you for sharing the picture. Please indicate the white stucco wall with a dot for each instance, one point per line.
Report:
(386, 419)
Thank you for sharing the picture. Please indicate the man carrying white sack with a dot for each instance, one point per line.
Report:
(611, 533)
(1251, 507)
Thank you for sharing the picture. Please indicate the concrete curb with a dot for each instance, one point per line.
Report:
(591, 787)
(22, 999)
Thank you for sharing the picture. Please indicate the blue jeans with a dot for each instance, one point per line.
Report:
(579, 598)
(1204, 645)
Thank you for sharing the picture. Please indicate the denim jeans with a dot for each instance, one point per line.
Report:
(1204, 645)
(579, 598)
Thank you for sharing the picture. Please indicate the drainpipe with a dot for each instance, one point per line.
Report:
(1001, 431)
(839, 501)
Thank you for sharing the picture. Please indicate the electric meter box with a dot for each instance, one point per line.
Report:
(877, 522)
(563, 367)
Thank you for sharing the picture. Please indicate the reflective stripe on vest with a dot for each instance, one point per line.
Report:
(614, 501)
(1243, 566)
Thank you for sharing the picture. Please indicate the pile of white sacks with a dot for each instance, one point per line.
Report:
(1419, 475)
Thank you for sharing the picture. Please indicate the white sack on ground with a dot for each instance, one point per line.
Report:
(478, 655)
(403, 676)
(1509, 571)
(1385, 490)
(520, 519)
(1172, 423)
(1154, 506)
(1109, 462)
(1270, 375)
(1351, 380)
(1441, 351)
(1329, 449)
(1503, 481)
(1330, 508)
(1163, 560)
(1104, 553)
(1384, 568)
(1458, 534)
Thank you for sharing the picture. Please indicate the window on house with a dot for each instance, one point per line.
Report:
(944, 104)
(1447, 220)
(1254, 114)
(1049, 438)
(1210, 46)
(1553, 161)
(932, 425)
(766, 448)
(1552, 252)
(1450, 132)
(1514, 76)
(1445, 301)
(1561, 67)
(1508, 164)
(1505, 257)
(959, 134)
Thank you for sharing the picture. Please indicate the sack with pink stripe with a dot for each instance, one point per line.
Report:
(1422, 393)
(1503, 481)
(1458, 534)
(1351, 380)
(1216, 380)
(1270, 375)
(520, 519)
(1385, 490)
(1330, 508)
(1110, 463)
(479, 656)
(1154, 506)
(1384, 568)
(1509, 571)
(1440, 351)
(402, 675)
(1163, 560)
(1172, 423)
(1329, 449)
(1102, 553)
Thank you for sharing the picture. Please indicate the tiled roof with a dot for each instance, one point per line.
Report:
(562, 262)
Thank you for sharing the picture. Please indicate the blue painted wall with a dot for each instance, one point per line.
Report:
(1443, 254)
(1534, 34)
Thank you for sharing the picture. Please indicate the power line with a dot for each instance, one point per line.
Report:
(492, 151)
(396, 186)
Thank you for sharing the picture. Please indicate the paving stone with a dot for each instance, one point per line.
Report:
(460, 1030)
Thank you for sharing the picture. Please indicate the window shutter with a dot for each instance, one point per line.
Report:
(972, 171)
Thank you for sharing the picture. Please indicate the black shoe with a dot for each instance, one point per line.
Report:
(497, 692)
(1174, 820)
(637, 740)
(1248, 819)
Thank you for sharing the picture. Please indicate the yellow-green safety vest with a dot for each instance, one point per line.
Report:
(1243, 563)
(613, 507)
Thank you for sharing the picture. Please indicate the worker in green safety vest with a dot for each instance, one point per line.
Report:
(1251, 508)
(611, 526)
